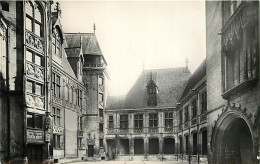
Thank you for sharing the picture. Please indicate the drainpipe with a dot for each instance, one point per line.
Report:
(8, 94)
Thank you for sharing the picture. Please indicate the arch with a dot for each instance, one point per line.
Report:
(232, 137)
(169, 145)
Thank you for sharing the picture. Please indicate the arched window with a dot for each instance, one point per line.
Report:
(34, 18)
(56, 43)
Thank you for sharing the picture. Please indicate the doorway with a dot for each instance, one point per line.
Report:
(34, 154)
(90, 150)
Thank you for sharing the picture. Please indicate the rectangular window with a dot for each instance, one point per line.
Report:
(100, 97)
(110, 122)
(101, 127)
(80, 98)
(80, 145)
(38, 89)
(29, 86)
(138, 120)
(203, 102)
(101, 143)
(29, 24)
(34, 121)
(194, 108)
(101, 112)
(186, 113)
(56, 116)
(38, 60)
(168, 119)
(80, 125)
(57, 141)
(180, 116)
(124, 121)
(100, 80)
(153, 120)
(29, 56)
(58, 86)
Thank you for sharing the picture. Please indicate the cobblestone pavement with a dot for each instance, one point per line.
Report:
(133, 162)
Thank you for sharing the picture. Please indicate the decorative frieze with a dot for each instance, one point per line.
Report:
(138, 130)
(34, 41)
(33, 100)
(153, 129)
(57, 129)
(34, 71)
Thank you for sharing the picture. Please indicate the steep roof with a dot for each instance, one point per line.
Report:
(170, 83)
(198, 75)
(89, 42)
(66, 66)
(73, 52)
(115, 102)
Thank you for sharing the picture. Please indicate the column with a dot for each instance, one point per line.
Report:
(146, 147)
(131, 147)
(160, 145)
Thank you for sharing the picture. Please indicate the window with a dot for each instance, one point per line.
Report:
(80, 144)
(80, 67)
(186, 113)
(34, 58)
(239, 47)
(100, 80)
(153, 120)
(100, 97)
(124, 121)
(80, 123)
(101, 143)
(34, 18)
(138, 120)
(33, 87)
(3, 53)
(180, 116)
(57, 141)
(56, 43)
(56, 116)
(34, 121)
(203, 102)
(101, 127)
(80, 98)
(169, 119)
(110, 122)
(194, 108)
(152, 92)
(56, 85)
(101, 112)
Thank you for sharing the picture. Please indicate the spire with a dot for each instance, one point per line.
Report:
(151, 76)
(94, 27)
(187, 62)
(57, 8)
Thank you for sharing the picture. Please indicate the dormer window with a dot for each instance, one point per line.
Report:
(152, 91)
(56, 43)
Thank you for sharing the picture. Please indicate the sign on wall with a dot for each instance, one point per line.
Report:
(35, 136)
(57, 130)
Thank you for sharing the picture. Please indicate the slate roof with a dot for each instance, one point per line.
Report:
(89, 42)
(198, 75)
(73, 52)
(66, 66)
(170, 84)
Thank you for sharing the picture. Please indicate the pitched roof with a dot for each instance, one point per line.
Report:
(170, 83)
(89, 42)
(66, 66)
(199, 73)
(73, 52)
(115, 102)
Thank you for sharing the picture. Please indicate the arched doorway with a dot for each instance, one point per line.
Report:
(233, 141)
(169, 146)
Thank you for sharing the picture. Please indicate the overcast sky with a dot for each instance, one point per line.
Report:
(158, 34)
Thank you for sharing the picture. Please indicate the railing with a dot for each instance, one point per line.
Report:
(34, 41)
(153, 129)
(34, 71)
(123, 131)
(94, 65)
(138, 130)
(34, 100)
(203, 117)
(169, 129)
(194, 121)
(111, 131)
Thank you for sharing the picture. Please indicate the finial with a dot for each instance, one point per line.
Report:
(187, 62)
(94, 27)
(57, 8)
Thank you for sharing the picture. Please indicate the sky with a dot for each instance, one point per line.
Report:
(140, 35)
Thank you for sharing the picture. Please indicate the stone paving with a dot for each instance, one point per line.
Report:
(133, 162)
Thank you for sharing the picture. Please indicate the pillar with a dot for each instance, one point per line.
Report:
(131, 147)
(146, 147)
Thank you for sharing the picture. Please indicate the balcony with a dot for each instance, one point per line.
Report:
(34, 41)
(34, 71)
(203, 117)
(80, 133)
(153, 129)
(94, 65)
(33, 100)
(138, 130)
(169, 129)
(123, 131)
(111, 131)
(194, 121)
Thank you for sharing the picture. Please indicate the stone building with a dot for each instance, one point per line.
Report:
(192, 116)
(94, 78)
(42, 100)
(141, 125)
(233, 87)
